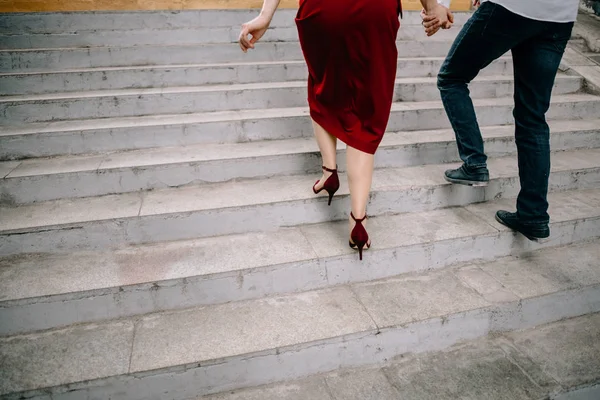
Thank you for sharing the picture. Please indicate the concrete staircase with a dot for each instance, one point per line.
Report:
(159, 238)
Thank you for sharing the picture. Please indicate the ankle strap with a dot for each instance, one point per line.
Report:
(329, 170)
(358, 220)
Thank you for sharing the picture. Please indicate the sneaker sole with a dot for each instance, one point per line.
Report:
(532, 238)
(467, 183)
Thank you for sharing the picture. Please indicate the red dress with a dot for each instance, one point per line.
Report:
(350, 50)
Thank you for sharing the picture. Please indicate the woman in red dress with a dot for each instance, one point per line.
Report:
(350, 50)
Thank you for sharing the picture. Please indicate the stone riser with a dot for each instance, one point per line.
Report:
(60, 59)
(197, 75)
(81, 137)
(108, 180)
(202, 99)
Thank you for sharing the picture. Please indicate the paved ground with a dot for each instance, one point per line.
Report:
(556, 361)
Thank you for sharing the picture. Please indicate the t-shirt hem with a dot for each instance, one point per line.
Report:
(560, 21)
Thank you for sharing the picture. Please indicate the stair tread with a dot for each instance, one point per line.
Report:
(183, 45)
(279, 325)
(227, 151)
(246, 193)
(171, 66)
(196, 65)
(226, 88)
(34, 276)
(218, 116)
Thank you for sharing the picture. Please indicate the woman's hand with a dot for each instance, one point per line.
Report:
(439, 17)
(255, 28)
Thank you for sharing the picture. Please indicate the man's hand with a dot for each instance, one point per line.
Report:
(439, 17)
(476, 3)
(255, 28)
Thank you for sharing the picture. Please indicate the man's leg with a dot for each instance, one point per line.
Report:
(487, 35)
(536, 63)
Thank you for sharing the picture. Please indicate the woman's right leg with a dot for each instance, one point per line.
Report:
(360, 175)
(328, 147)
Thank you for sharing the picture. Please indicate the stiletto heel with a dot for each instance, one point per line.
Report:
(359, 236)
(331, 185)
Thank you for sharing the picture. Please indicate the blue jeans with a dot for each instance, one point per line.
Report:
(537, 48)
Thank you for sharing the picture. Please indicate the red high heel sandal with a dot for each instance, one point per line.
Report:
(331, 185)
(359, 236)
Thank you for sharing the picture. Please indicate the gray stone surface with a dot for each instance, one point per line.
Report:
(519, 365)
(568, 351)
(548, 271)
(409, 299)
(65, 356)
(107, 21)
(7, 166)
(563, 207)
(485, 284)
(471, 373)
(313, 389)
(154, 35)
(587, 29)
(361, 385)
(387, 232)
(52, 166)
(69, 211)
(219, 332)
(585, 393)
(44, 275)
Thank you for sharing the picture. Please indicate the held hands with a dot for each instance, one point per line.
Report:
(439, 17)
(255, 28)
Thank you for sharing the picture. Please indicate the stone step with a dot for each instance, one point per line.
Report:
(43, 179)
(18, 110)
(211, 349)
(28, 60)
(199, 74)
(115, 134)
(256, 205)
(166, 37)
(551, 361)
(42, 291)
(59, 23)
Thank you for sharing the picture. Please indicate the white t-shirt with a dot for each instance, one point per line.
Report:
(542, 10)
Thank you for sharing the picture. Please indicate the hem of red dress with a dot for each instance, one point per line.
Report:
(341, 134)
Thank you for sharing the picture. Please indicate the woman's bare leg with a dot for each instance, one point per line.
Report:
(328, 147)
(360, 176)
